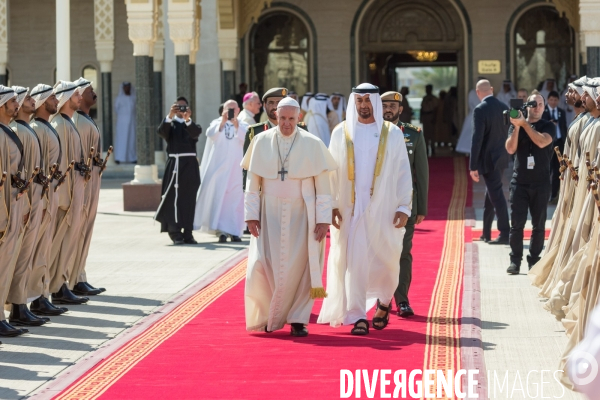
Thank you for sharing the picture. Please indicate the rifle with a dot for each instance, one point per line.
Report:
(561, 160)
(590, 169)
(49, 179)
(574, 175)
(64, 176)
(594, 186)
(108, 153)
(28, 183)
(88, 173)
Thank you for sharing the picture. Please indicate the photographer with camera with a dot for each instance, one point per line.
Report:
(530, 140)
(220, 203)
(181, 179)
(558, 117)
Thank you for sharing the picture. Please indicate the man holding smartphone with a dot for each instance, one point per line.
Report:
(182, 178)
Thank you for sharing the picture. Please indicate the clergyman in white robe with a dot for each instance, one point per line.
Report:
(318, 124)
(285, 262)
(220, 202)
(364, 257)
(125, 139)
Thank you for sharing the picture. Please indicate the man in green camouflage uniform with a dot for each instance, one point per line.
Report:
(417, 155)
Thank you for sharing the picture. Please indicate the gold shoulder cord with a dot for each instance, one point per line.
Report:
(378, 163)
(251, 136)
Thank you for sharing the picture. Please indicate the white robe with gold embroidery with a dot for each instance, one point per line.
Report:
(364, 258)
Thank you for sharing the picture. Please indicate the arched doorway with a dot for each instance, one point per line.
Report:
(280, 53)
(395, 39)
(544, 47)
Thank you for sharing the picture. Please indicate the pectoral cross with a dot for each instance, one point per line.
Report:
(282, 173)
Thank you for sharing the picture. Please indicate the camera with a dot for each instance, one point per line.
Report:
(517, 105)
(230, 113)
(182, 108)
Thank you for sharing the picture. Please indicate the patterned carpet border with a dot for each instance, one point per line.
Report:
(113, 368)
(442, 345)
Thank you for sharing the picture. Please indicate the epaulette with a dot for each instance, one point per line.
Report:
(257, 125)
(411, 126)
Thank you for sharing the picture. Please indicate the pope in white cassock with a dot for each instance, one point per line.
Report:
(220, 202)
(288, 212)
(372, 195)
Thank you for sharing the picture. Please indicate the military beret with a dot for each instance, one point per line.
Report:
(391, 96)
(275, 92)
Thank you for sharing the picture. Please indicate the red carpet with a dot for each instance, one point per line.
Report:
(526, 234)
(202, 351)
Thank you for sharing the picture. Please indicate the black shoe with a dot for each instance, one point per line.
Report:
(513, 269)
(499, 240)
(222, 239)
(83, 290)
(404, 310)
(484, 239)
(65, 296)
(42, 306)
(190, 241)
(178, 241)
(236, 239)
(21, 316)
(90, 287)
(532, 261)
(8, 330)
(299, 330)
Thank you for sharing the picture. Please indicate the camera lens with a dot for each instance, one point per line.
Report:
(514, 113)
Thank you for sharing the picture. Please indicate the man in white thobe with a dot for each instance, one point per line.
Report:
(372, 196)
(318, 124)
(125, 139)
(466, 134)
(305, 113)
(337, 110)
(288, 211)
(220, 203)
(548, 86)
(251, 106)
(507, 92)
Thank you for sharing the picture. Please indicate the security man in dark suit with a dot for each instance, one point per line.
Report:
(558, 117)
(417, 156)
(270, 99)
(488, 154)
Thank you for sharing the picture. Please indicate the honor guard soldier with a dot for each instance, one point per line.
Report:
(417, 156)
(270, 101)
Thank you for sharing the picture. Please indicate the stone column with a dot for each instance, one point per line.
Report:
(63, 40)
(159, 58)
(141, 19)
(589, 13)
(228, 46)
(194, 47)
(104, 35)
(181, 16)
(3, 40)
